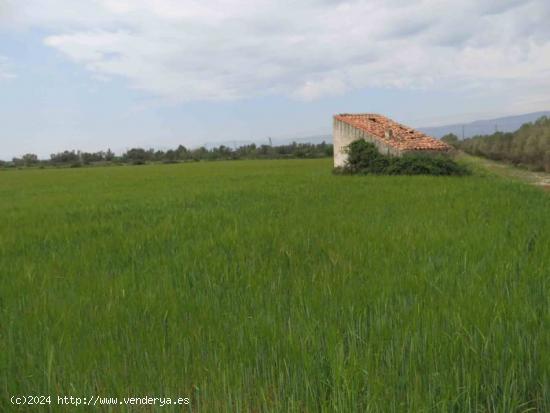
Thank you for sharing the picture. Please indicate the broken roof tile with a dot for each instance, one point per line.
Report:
(393, 134)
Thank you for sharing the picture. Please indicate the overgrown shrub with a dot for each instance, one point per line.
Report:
(364, 158)
(425, 165)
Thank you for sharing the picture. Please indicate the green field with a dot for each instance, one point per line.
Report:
(274, 286)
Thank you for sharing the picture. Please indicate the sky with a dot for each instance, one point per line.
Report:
(98, 74)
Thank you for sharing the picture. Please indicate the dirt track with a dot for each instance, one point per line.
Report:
(540, 179)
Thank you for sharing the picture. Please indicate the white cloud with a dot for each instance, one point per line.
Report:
(226, 49)
(312, 90)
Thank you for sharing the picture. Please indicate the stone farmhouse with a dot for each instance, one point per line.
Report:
(390, 137)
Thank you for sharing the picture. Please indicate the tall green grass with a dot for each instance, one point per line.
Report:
(274, 286)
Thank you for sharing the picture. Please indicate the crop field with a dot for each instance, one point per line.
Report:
(274, 286)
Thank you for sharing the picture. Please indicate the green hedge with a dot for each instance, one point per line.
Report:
(364, 158)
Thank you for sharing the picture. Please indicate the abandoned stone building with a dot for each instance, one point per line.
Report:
(391, 138)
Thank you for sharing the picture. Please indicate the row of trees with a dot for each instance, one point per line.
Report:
(528, 146)
(139, 156)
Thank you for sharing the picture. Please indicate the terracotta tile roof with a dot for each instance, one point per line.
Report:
(392, 133)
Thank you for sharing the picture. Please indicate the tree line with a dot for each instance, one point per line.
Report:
(529, 146)
(140, 156)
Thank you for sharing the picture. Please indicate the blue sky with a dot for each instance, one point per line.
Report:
(97, 74)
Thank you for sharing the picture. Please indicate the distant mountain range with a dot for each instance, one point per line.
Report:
(484, 127)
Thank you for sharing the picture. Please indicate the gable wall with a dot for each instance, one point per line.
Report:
(343, 134)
